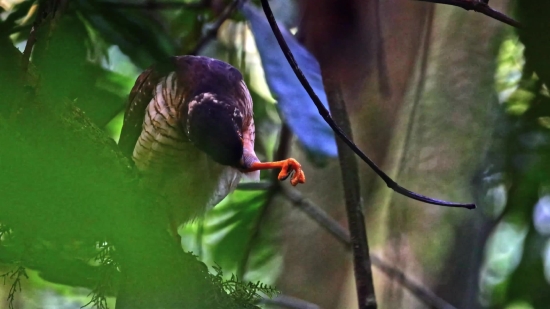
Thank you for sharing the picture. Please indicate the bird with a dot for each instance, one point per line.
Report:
(189, 129)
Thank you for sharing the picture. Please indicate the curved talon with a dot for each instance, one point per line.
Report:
(289, 167)
(292, 167)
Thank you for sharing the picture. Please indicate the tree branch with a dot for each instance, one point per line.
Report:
(335, 229)
(31, 40)
(254, 186)
(350, 179)
(326, 116)
(212, 29)
(47, 10)
(481, 6)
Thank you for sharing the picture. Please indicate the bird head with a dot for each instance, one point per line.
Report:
(214, 125)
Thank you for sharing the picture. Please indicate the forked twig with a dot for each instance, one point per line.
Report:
(481, 6)
(326, 116)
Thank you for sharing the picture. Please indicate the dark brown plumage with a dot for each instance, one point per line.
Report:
(189, 129)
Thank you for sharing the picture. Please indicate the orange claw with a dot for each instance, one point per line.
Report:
(288, 167)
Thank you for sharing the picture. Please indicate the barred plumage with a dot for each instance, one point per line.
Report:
(189, 129)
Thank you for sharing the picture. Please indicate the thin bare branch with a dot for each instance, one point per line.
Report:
(481, 6)
(31, 40)
(254, 186)
(47, 10)
(426, 296)
(317, 214)
(212, 29)
(326, 116)
(333, 227)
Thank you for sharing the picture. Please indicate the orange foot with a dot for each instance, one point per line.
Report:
(288, 167)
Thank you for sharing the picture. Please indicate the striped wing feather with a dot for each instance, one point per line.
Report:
(139, 98)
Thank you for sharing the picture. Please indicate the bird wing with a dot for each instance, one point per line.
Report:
(139, 98)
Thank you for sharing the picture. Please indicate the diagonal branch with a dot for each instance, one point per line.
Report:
(326, 116)
(335, 229)
(481, 6)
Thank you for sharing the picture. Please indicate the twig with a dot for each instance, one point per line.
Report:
(350, 180)
(149, 5)
(326, 116)
(290, 302)
(480, 6)
(255, 186)
(212, 30)
(334, 228)
(16, 285)
(47, 9)
(425, 295)
(31, 40)
(317, 214)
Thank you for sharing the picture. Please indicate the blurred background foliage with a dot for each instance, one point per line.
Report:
(468, 117)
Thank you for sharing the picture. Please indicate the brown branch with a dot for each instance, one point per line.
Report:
(350, 178)
(335, 229)
(31, 40)
(212, 30)
(46, 10)
(480, 6)
(254, 186)
(317, 214)
(337, 130)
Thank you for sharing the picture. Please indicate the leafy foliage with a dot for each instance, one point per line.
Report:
(84, 199)
(516, 262)
(243, 292)
(108, 267)
(15, 275)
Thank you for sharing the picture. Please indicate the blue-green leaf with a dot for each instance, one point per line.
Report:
(293, 101)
